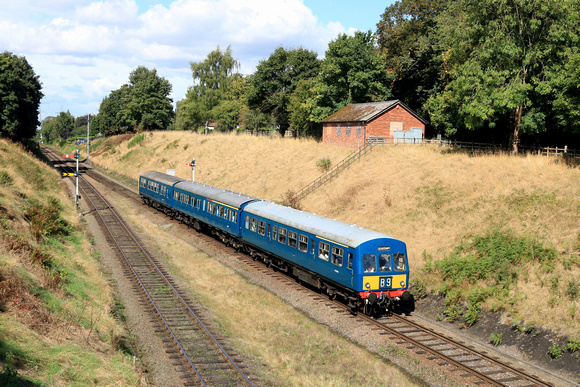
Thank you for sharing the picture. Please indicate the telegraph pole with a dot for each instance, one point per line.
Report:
(88, 134)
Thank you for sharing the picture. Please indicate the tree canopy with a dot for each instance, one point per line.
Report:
(501, 57)
(276, 79)
(20, 95)
(141, 104)
(213, 82)
(352, 72)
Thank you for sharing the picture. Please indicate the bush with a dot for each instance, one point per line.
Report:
(5, 178)
(136, 140)
(324, 164)
(556, 351)
(495, 339)
(45, 220)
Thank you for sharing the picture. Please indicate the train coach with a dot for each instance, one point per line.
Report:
(367, 269)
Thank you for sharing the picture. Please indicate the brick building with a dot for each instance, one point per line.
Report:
(382, 122)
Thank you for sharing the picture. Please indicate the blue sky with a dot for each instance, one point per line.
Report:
(84, 49)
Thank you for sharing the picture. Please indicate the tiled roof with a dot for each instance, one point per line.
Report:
(365, 112)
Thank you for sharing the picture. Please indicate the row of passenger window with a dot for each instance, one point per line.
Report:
(212, 208)
(294, 240)
(153, 186)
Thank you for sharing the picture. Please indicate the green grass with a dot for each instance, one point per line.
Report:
(138, 139)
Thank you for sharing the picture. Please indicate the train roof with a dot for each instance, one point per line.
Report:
(223, 196)
(346, 234)
(161, 177)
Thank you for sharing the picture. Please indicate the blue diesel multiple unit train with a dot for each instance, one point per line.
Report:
(367, 269)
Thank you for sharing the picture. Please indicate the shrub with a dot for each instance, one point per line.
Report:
(556, 351)
(324, 164)
(291, 200)
(136, 140)
(573, 288)
(5, 178)
(495, 339)
(45, 220)
(573, 345)
(471, 315)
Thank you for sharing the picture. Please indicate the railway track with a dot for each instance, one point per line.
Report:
(468, 365)
(198, 356)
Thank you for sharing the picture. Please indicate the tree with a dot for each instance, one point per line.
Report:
(301, 106)
(65, 124)
(213, 81)
(141, 104)
(500, 57)
(275, 80)
(20, 95)
(407, 40)
(351, 72)
(150, 107)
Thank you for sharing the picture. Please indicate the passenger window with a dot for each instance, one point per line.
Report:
(142, 183)
(210, 208)
(235, 216)
(385, 263)
(292, 239)
(274, 232)
(337, 254)
(312, 246)
(261, 227)
(303, 243)
(216, 209)
(323, 249)
(198, 203)
(369, 263)
(399, 259)
(221, 214)
(282, 235)
(247, 221)
(175, 195)
(253, 223)
(350, 261)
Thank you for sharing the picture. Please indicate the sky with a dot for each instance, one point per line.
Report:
(84, 49)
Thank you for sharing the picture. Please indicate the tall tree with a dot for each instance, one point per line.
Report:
(141, 104)
(20, 95)
(275, 80)
(499, 55)
(406, 36)
(213, 81)
(351, 72)
(150, 107)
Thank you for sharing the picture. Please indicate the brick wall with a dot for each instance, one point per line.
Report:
(339, 134)
(381, 126)
(349, 134)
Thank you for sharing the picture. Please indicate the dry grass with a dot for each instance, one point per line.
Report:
(429, 198)
(58, 327)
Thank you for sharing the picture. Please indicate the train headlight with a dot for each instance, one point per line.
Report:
(402, 284)
(368, 285)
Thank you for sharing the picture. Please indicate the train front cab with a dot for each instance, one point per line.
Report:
(382, 274)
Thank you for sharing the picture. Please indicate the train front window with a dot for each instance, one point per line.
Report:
(385, 263)
(369, 263)
(400, 264)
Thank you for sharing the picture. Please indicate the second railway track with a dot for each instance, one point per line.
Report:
(198, 356)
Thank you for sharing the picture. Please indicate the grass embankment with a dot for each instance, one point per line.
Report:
(56, 322)
(459, 214)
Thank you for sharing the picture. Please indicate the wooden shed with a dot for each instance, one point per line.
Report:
(379, 122)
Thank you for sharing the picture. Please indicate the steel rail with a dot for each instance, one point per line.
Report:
(175, 292)
(183, 303)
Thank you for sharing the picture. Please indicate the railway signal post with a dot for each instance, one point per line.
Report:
(76, 174)
(192, 165)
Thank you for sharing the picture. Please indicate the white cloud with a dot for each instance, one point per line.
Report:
(73, 40)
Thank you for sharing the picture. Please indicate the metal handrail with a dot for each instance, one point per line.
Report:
(343, 164)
